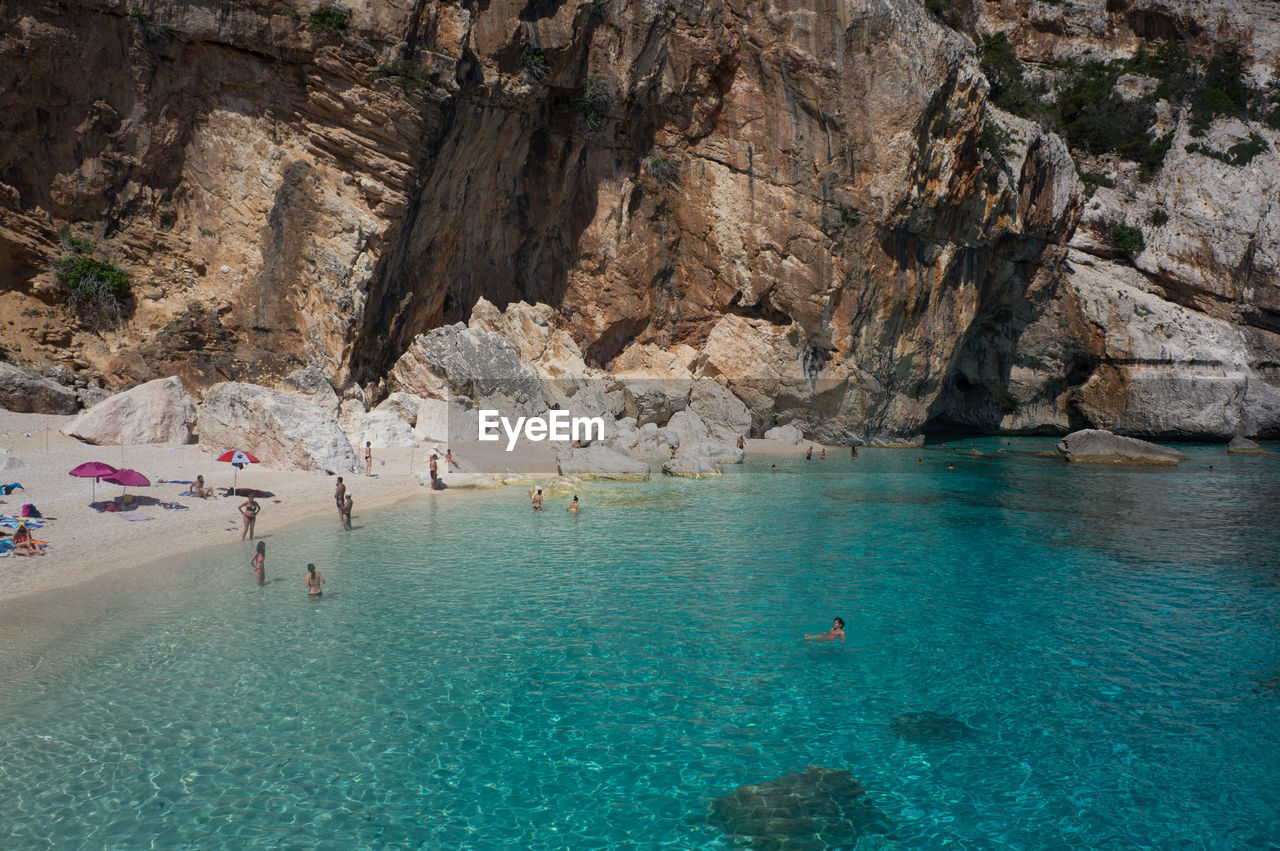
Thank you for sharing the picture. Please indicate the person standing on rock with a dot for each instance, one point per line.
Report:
(346, 513)
(368, 458)
(249, 508)
(339, 493)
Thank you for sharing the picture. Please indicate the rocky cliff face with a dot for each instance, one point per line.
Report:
(802, 199)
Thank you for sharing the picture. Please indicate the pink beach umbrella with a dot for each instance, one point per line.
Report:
(127, 478)
(93, 470)
(237, 458)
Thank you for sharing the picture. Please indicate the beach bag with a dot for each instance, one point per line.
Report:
(29, 510)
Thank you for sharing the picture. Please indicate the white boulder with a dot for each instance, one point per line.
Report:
(600, 462)
(284, 431)
(692, 467)
(160, 411)
(788, 434)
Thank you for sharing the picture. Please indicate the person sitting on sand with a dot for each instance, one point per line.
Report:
(537, 500)
(249, 508)
(346, 513)
(314, 581)
(574, 508)
(23, 544)
(836, 631)
(259, 562)
(200, 489)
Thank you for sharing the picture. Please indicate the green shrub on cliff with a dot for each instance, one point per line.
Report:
(594, 103)
(97, 289)
(1127, 239)
(665, 170)
(328, 19)
(1241, 153)
(534, 63)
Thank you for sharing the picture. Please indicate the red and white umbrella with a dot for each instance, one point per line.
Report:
(237, 458)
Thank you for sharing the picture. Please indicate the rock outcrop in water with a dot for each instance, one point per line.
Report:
(1096, 446)
(815, 809)
(816, 206)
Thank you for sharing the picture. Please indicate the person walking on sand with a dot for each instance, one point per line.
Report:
(836, 631)
(249, 508)
(574, 508)
(537, 500)
(314, 581)
(368, 458)
(259, 563)
(434, 468)
(339, 493)
(346, 513)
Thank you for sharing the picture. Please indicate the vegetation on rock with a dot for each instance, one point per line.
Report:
(665, 170)
(328, 19)
(97, 289)
(534, 63)
(1127, 239)
(594, 103)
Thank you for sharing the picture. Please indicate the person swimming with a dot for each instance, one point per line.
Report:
(314, 581)
(836, 631)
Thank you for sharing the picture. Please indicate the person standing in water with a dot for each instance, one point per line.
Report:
(836, 631)
(339, 493)
(259, 563)
(823, 456)
(853, 450)
(346, 513)
(537, 500)
(249, 508)
(574, 508)
(314, 581)
(434, 467)
(368, 458)
(808, 456)
(742, 442)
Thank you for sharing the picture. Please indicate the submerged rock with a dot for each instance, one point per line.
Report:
(1097, 446)
(815, 809)
(926, 727)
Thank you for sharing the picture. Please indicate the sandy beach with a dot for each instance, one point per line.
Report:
(85, 544)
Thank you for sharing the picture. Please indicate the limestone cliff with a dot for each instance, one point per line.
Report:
(804, 193)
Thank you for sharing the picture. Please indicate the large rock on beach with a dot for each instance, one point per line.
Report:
(654, 401)
(1097, 446)
(692, 467)
(600, 462)
(284, 431)
(310, 383)
(788, 434)
(25, 392)
(1241, 445)
(816, 809)
(725, 415)
(160, 411)
(458, 361)
(722, 453)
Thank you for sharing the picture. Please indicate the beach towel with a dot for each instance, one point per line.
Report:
(11, 487)
(12, 521)
(173, 506)
(175, 482)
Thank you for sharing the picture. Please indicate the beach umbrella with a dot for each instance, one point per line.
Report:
(237, 458)
(92, 470)
(127, 478)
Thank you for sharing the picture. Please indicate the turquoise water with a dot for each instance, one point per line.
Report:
(478, 676)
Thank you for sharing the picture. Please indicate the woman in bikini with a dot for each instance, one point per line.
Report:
(259, 562)
(23, 544)
(249, 508)
(314, 581)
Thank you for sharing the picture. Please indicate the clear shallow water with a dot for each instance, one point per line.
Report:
(480, 676)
